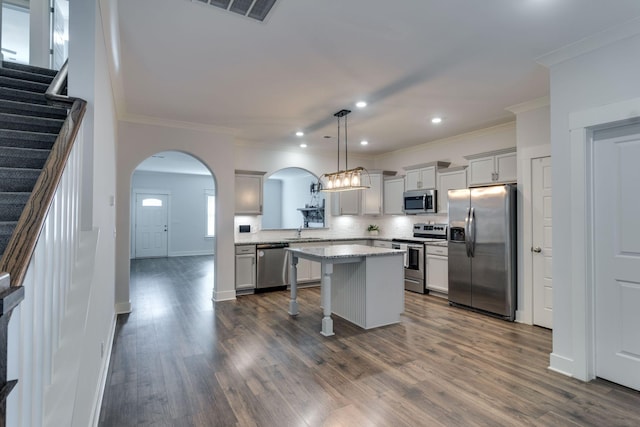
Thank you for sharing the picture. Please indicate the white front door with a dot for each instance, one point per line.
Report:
(541, 249)
(151, 225)
(617, 255)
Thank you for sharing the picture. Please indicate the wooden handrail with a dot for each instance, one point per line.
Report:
(20, 247)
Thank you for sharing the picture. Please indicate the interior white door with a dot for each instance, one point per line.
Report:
(617, 256)
(541, 248)
(151, 226)
(59, 33)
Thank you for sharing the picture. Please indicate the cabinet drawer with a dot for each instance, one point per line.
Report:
(245, 249)
(437, 250)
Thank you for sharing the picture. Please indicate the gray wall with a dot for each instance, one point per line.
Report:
(187, 209)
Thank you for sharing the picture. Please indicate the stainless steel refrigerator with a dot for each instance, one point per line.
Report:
(482, 249)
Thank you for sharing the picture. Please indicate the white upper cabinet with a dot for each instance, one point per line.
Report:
(373, 197)
(393, 200)
(249, 192)
(450, 179)
(422, 176)
(346, 202)
(493, 167)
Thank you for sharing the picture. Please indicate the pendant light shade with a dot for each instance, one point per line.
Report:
(346, 179)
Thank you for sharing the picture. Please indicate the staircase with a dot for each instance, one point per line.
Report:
(28, 129)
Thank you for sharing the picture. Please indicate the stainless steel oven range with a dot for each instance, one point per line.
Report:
(414, 260)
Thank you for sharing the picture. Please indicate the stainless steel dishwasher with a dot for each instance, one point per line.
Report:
(272, 271)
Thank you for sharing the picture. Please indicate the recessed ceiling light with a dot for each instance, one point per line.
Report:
(364, 142)
(436, 120)
(299, 133)
(361, 104)
(303, 145)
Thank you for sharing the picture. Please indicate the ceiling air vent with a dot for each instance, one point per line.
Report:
(256, 9)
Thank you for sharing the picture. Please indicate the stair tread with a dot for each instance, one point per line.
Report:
(26, 75)
(26, 134)
(29, 68)
(25, 85)
(23, 118)
(14, 197)
(22, 95)
(30, 109)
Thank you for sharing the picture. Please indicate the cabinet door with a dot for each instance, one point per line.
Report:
(393, 200)
(449, 181)
(372, 197)
(506, 167)
(308, 271)
(481, 171)
(413, 180)
(428, 177)
(246, 271)
(349, 202)
(437, 273)
(248, 194)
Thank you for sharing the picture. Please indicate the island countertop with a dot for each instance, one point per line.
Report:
(343, 251)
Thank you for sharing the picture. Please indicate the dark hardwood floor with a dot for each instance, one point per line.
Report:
(181, 360)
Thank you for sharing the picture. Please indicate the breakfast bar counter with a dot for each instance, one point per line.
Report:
(362, 284)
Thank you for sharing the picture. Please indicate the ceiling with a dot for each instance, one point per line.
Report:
(410, 60)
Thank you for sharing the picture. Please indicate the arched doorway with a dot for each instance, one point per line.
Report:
(172, 225)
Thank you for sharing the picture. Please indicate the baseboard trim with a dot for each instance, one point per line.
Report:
(560, 364)
(123, 307)
(223, 296)
(104, 372)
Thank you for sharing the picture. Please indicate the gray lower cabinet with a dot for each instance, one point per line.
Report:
(245, 267)
(308, 271)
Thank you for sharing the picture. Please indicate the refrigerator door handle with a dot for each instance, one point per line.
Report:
(466, 232)
(472, 233)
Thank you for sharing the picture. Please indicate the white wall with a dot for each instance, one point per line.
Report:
(533, 140)
(89, 79)
(602, 76)
(272, 204)
(188, 210)
(451, 149)
(140, 140)
(296, 193)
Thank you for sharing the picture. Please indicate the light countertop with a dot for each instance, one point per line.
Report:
(344, 251)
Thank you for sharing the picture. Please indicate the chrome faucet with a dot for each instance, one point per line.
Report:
(299, 232)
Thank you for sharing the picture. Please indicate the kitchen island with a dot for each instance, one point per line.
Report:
(362, 284)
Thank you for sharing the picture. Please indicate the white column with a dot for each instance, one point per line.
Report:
(327, 322)
(293, 274)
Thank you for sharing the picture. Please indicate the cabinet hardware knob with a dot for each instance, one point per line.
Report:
(537, 249)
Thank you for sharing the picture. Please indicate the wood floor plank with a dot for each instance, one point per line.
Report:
(180, 359)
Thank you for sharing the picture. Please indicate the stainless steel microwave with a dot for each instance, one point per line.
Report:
(420, 202)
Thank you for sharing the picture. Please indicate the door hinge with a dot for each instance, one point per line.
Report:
(52, 10)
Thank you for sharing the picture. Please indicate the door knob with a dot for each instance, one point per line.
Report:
(537, 249)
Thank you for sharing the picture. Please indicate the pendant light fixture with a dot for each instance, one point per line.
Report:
(347, 179)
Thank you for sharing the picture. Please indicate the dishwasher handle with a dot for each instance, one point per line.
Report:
(272, 246)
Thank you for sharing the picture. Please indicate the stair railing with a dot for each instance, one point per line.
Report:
(41, 254)
(23, 241)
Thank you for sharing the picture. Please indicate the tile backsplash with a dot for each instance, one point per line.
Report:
(340, 226)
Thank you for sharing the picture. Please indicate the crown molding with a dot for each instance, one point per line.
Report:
(156, 121)
(603, 38)
(534, 104)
